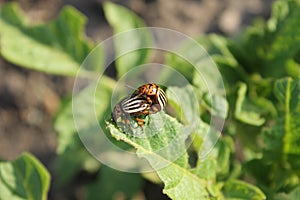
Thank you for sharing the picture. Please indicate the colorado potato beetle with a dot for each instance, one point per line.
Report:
(147, 99)
(154, 95)
(126, 109)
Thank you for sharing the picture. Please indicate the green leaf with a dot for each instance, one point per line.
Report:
(287, 92)
(259, 168)
(216, 105)
(85, 102)
(295, 194)
(83, 106)
(130, 46)
(66, 160)
(111, 184)
(58, 47)
(235, 189)
(281, 139)
(180, 64)
(180, 182)
(284, 33)
(165, 148)
(284, 137)
(152, 177)
(269, 48)
(217, 48)
(245, 110)
(224, 147)
(184, 102)
(24, 178)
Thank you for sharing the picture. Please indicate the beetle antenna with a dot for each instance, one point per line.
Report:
(129, 86)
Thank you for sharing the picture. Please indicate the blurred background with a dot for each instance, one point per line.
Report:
(29, 100)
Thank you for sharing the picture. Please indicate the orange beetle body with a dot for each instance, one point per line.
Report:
(154, 95)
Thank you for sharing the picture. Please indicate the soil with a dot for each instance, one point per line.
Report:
(29, 100)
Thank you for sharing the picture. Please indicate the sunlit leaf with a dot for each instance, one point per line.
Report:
(130, 46)
(165, 149)
(241, 190)
(180, 182)
(287, 92)
(24, 178)
(268, 48)
(216, 105)
(245, 110)
(57, 47)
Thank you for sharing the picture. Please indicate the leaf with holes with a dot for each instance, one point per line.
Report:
(166, 153)
(165, 148)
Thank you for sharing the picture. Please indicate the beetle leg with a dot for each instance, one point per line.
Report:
(140, 121)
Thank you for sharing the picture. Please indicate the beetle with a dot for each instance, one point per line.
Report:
(154, 95)
(126, 109)
(146, 99)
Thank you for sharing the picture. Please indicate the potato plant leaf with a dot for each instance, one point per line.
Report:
(165, 150)
(24, 178)
(64, 122)
(241, 190)
(113, 184)
(58, 47)
(282, 35)
(171, 164)
(130, 48)
(180, 179)
(216, 105)
(285, 135)
(225, 147)
(281, 139)
(269, 47)
(294, 195)
(87, 103)
(218, 48)
(184, 102)
(66, 160)
(245, 110)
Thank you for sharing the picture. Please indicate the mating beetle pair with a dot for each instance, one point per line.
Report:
(147, 99)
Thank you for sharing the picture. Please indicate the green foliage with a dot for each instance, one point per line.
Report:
(179, 181)
(240, 190)
(245, 110)
(24, 178)
(113, 184)
(287, 92)
(58, 47)
(130, 48)
(269, 47)
(69, 143)
(282, 140)
(257, 155)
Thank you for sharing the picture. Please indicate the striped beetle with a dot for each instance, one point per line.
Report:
(147, 99)
(127, 108)
(154, 95)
